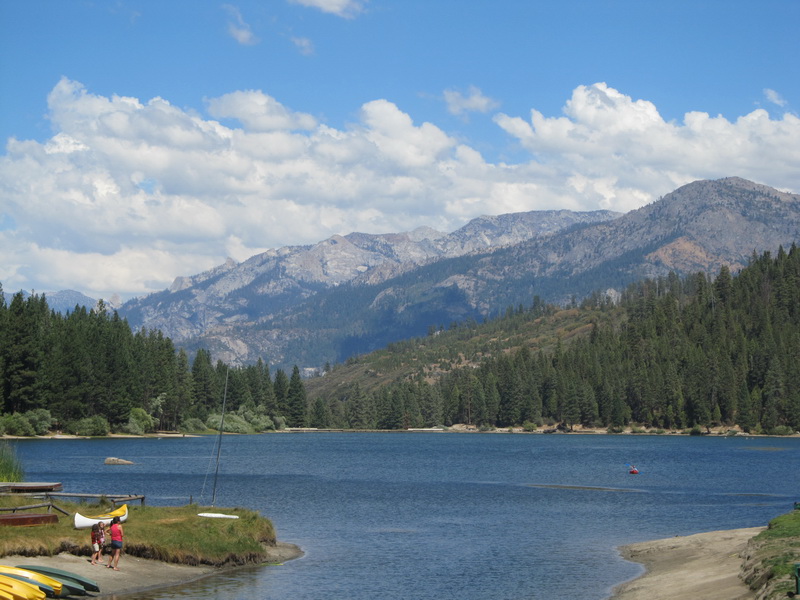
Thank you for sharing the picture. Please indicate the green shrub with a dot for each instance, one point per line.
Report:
(192, 425)
(780, 430)
(40, 419)
(529, 426)
(94, 426)
(17, 424)
(133, 428)
(257, 417)
(139, 422)
(233, 424)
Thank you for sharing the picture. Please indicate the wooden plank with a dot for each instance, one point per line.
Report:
(47, 505)
(28, 519)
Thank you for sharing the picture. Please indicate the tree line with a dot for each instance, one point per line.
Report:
(87, 372)
(686, 353)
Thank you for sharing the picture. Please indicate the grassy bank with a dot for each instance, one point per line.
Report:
(771, 555)
(169, 534)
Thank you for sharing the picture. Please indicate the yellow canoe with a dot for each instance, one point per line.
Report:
(33, 576)
(84, 522)
(20, 590)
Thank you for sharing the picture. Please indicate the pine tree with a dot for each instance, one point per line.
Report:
(281, 390)
(296, 400)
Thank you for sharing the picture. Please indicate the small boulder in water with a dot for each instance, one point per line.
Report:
(111, 460)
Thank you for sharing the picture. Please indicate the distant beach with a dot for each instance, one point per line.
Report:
(704, 565)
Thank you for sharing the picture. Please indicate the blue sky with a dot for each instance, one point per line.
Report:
(143, 140)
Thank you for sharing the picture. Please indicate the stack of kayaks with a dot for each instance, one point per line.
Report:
(48, 585)
(34, 582)
(19, 590)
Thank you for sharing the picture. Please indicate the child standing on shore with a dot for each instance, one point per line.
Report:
(98, 540)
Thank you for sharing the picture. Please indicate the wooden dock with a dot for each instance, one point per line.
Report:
(113, 498)
(28, 487)
(38, 489)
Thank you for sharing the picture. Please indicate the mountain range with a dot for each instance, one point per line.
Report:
(308, 305)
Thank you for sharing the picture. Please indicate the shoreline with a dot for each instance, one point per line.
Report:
(716, 432)
(137, 575)
(702, 565)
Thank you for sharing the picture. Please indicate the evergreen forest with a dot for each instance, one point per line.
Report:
(88, 373)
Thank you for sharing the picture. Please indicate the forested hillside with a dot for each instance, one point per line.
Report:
(674, 353)
(86, 372)
(671, 353)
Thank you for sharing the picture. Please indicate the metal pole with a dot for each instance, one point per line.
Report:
(219, 443)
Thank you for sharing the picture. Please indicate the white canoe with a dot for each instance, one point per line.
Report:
(83, 522)
(217, 516)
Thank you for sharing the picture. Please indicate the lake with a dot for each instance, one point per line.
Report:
(443, 515)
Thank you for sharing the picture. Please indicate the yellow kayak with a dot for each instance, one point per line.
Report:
(33, 576)
(84, 522)
(20, 590)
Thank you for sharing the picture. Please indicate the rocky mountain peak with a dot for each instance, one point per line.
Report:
(289, 305)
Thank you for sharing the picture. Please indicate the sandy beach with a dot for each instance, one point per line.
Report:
(137, 574)
(704, 565)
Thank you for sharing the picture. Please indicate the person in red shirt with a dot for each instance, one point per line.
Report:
(116, 543)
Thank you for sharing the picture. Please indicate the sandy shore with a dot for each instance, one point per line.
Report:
(704, 565)
(137, 574)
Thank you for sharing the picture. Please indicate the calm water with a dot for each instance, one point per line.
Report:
(463, 516)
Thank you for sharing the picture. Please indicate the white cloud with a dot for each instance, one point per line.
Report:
(258, 112)
(238, 29)
(341, 8)
(774, 97)
(617, 152)
(304, 45)
(458, 104)
(129, 193)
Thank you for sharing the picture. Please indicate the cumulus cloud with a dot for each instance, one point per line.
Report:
(474, 101)
(342, 8)
(258, 112)
(617, 151)
(237, 28)
(129, 193)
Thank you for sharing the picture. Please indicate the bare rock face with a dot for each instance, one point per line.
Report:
(111, 460)
(308, 305)
(212, 304)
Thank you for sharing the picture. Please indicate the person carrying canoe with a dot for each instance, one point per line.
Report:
(116, 543)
